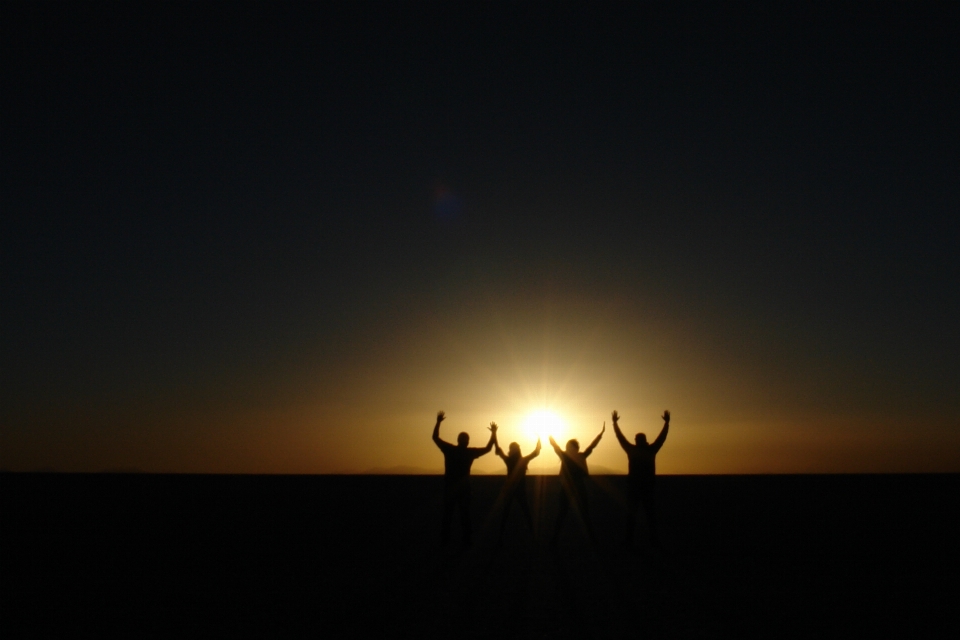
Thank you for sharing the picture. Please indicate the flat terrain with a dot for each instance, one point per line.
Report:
(347, 556)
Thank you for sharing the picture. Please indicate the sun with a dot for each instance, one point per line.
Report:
(542, 424)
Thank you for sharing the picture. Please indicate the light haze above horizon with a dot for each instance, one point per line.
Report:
(257, 239)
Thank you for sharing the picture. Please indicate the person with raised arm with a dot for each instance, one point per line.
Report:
(515, 487)
(573, 482)
(457, 460)
(642, 476)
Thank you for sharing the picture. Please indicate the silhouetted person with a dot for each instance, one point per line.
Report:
(642, 478)
(515, 486)
(573, 481)
(457, 461)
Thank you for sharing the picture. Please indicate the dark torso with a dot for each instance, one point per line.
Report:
(516, 467)
(573, 469)
(643, 461)
(457, 463)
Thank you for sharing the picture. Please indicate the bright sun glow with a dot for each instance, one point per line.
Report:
(542, 424)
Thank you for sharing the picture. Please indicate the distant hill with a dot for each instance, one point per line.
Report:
(600, 470)
(410, 470)
(401, 470)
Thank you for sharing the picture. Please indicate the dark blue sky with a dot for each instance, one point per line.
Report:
(212, 205)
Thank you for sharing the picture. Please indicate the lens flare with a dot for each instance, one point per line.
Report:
(544, 423)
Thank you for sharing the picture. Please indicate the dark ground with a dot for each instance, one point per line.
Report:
(351, 556)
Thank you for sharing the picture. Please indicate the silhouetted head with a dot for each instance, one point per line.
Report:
(573, 446)
(641, 438)
(463, 439)
(514, 449)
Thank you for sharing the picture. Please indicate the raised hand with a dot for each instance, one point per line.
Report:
(493, 428)
(615, 416)
(440, 417)
(666, 416)
(604, 426)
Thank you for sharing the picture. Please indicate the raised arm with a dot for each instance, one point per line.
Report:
(556, 447)
(535, 453)
(616, 430)
(493, 440)
(596, 441)
(498, 450)
(663, 432)
(436, 431)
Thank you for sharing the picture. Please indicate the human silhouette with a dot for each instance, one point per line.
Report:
(457, 460)
(642, 477)
(573, 482)
(515, 486)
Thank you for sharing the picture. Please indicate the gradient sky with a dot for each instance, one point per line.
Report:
(258, 239)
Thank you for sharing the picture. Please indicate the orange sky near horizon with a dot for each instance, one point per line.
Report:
(279, 240)
(374, 410)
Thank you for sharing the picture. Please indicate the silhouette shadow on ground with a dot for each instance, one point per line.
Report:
(763, 556)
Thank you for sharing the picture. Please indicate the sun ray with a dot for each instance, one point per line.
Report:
(543, 423)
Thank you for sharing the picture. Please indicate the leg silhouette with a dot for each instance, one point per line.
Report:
(561, 515)
(449, 504)
(648, 501)
(507, 501)
(582, 510)
(643, 498)
(525, 508)
(632, 507)
(456, 497)
(466, 529)
(518, 495)
(576, 499)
